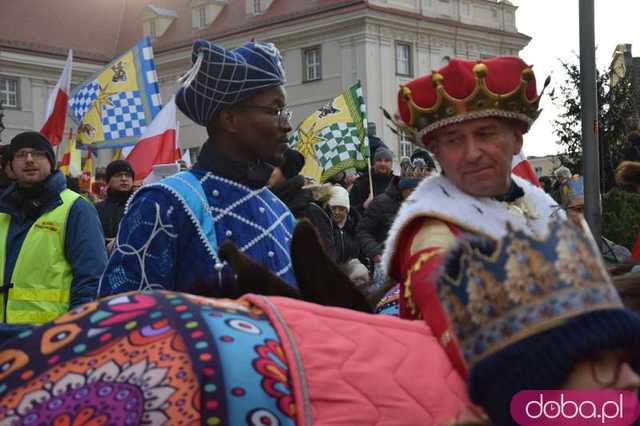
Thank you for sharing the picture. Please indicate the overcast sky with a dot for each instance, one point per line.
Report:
(554, 28)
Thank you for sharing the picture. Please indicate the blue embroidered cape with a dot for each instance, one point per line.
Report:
(161, 243)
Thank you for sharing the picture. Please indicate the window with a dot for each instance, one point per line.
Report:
(403, 59)
(406, 147)
(193, 154)
(199, 17)
(9, 92)
(311, 64)
(257, 7)
(150, 28)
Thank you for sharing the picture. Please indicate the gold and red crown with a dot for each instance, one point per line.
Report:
(464, 90)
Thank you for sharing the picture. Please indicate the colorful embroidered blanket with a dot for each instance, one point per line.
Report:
(157, 358)
(169, 358)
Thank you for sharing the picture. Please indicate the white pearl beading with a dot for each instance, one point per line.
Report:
(141, 253)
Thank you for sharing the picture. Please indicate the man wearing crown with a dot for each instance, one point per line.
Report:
(472, 117)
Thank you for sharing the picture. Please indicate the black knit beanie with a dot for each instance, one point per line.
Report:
(35, 140)
(119, 166)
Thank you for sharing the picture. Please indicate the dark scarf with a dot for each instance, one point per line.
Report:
(513, 193)
(253, 175)
(30, 201)
(118, 197)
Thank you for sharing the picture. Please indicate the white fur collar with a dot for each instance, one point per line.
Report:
(439, 198)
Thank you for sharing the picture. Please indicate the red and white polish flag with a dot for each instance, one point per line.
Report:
(520, 166)
(157, 145)
(56, 113)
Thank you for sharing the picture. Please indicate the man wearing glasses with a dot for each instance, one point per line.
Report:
(171, 230)
(51, 243)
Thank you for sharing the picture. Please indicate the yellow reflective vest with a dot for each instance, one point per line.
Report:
(40, 286)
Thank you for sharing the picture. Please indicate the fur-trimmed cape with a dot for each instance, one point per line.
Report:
(439, 198)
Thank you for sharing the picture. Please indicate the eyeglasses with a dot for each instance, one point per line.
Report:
(282, 114)
(36, 155)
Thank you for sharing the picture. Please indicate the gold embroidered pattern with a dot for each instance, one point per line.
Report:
(524, 287)
(575, 263)
(417, 265)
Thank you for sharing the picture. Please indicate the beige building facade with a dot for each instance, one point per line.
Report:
(327, 46)
(545, 165)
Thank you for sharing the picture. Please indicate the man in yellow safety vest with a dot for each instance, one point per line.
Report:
(51, 244)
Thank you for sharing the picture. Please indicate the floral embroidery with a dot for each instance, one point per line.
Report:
(118, 394)
(272, 365)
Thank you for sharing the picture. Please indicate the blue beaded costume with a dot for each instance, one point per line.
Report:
(169, 235)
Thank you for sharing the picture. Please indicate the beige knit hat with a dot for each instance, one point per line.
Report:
(339, 197)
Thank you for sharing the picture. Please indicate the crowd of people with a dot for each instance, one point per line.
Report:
(503, 275)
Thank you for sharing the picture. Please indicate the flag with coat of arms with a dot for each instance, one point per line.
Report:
(334, 138)
(114, 107)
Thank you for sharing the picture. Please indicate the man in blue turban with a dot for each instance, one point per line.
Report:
(171, 230)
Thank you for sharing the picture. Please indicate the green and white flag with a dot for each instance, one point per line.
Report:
(334, 138)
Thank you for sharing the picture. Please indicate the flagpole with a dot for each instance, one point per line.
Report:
(178, 134)
(370, 179)
(590, 151)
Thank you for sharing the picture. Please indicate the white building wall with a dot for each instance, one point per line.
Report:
(432, 46)
(356, 46)
(37, 78)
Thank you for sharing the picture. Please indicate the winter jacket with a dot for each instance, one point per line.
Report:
(111, 211)
(302, 204)
(83, 242)
(360, 190)
(347, 244)
(377, 220)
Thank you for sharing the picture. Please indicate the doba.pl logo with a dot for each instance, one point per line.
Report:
(575, 407)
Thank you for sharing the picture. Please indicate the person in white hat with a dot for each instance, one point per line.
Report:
(348, 250)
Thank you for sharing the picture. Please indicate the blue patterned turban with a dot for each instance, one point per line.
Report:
(222, 77)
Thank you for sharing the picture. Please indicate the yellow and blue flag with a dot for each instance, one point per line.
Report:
(334, 138)
(114, 107)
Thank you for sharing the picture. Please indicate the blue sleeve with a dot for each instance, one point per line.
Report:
(85, 251)
(145, 251)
